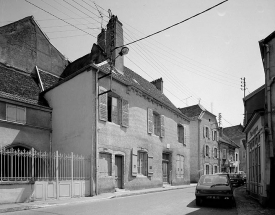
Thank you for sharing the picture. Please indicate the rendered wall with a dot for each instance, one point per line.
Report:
(34, 134)
(117, 138)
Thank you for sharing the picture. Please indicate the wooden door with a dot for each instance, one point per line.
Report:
(118, 171)
(165, 172)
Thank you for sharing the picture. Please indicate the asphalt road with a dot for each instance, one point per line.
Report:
(172, 202)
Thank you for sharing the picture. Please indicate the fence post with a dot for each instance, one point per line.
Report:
(72, 172)
(32, 164)
(56, 170)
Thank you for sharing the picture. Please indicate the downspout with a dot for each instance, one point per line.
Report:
(269, 82)
(199, 147)
(96, 132)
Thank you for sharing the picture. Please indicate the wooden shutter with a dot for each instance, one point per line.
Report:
(125, 113)
(150, 124)
(134, 162)
(162, 128)
(178, 166)
(21, 115)
(181, 166)
(11, 113)
(102, 103)
(150, 165)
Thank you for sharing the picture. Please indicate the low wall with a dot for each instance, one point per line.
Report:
(16, 192)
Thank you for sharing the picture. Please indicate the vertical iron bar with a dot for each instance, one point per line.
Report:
(33, 164)
(56, 172)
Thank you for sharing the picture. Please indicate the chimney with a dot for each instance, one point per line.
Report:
(110, 39)
(159, 84)
(101, 40)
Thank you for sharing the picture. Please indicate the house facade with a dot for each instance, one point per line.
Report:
(26, 56)
(236, 134)
(229, 153)
(259, 129)
(204, 148)
(137, 138)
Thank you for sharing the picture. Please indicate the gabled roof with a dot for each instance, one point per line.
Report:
(129, 78)
(234, 131)
(194, 111)
(19, 86)
(225, 139)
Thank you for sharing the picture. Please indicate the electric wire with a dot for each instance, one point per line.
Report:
(60, 19)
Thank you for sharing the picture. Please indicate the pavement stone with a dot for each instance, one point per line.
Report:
(246, 205)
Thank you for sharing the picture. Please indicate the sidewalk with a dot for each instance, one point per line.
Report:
(246, 205)
(34, 205)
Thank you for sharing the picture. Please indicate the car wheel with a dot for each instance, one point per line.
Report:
(198, 201)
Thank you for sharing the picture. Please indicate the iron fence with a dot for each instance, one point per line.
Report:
(31, 165)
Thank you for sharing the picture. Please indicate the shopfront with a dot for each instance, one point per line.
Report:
(256, 159)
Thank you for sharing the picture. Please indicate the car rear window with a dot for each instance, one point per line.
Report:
(213, 179)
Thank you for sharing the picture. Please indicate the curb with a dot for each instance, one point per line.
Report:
(30, 207)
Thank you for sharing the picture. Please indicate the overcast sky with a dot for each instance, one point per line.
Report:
(200, 60)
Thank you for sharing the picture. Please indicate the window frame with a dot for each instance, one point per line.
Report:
(142, 170)
(215, 152)
(109, 166)
(181, 134)
(207, 150)
(16, 107)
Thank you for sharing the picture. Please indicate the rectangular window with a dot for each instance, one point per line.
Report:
(180, 133)
(215, 153)
(142, 163)
(207, 132)
(113, 110)
(105, 164)
(207, 150)
(214, 135)
(16, 114)
(207, 169)
(156, 120)
(215, 169)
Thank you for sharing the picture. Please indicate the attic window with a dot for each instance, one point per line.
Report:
(135, 81)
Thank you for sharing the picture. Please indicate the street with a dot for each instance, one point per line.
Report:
(181, 201)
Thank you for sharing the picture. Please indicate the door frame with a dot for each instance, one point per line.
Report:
(169, 166)
(122, 155)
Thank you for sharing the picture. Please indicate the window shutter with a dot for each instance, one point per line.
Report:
(125, 113)
(162, 128)
(21, 115)
(150, 165)
(182, 166)
(178, 166)
(11, 113)
(102, 105)
(134, 162)
(150, 123)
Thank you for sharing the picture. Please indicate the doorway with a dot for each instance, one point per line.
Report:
(165, 168)
(118, 172)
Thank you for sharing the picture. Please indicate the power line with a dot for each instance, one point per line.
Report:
(60, 19)
(175, 24)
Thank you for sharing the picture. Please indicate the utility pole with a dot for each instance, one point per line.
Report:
(243, 86)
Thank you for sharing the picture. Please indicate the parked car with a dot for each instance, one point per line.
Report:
(236, 179)
(215, 187)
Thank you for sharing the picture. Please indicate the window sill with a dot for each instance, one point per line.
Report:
(141, 176)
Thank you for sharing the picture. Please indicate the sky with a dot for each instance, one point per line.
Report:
(201, 60)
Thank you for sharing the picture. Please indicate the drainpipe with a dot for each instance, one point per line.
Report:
(269, 82)
(199, 147)
(96, 132)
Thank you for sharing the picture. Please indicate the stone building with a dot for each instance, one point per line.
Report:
(236, 134)
(137, 137)
(204, 148)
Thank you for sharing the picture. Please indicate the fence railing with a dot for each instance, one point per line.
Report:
(31, 165)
